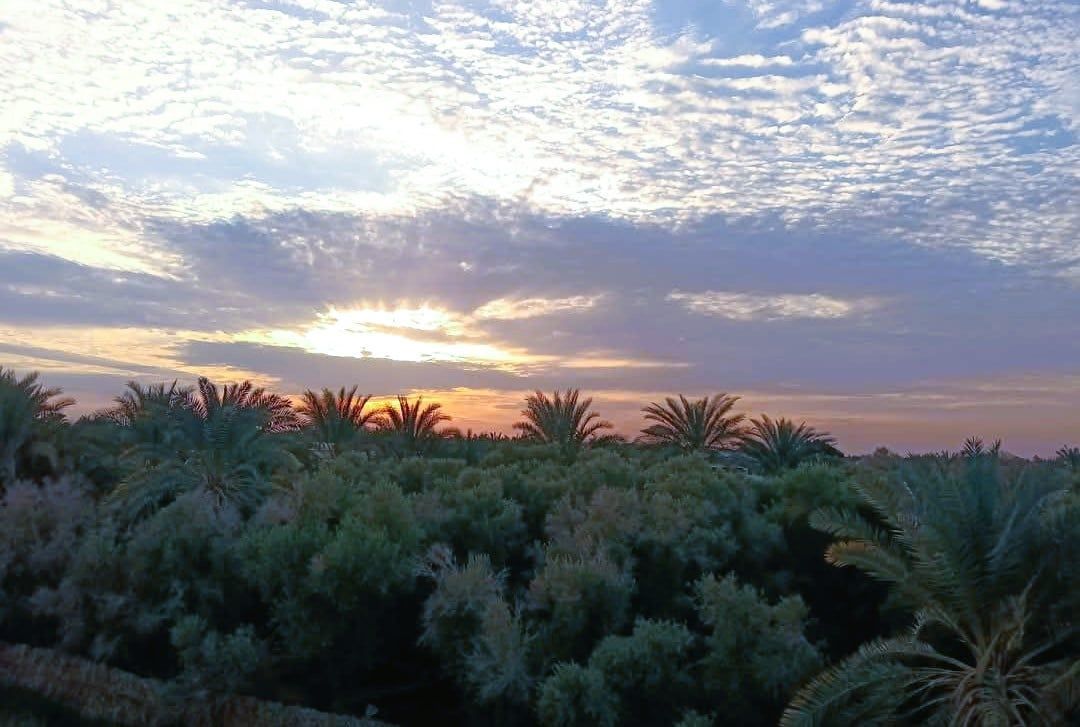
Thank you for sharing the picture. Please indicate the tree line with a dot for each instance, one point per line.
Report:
(219, 540)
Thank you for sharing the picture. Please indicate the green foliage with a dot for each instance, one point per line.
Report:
(214, 662)
(694, 426)
(473, 515)
(663, 672)
(756, 651)
(40, 528)
(576, 696)
(577, 600)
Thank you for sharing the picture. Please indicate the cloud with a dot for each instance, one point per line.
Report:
(751, 307)
(913, 115)
(508, 309)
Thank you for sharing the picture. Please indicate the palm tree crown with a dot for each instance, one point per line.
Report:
(702, 424)
(45, 403)
(27, 410)
(980, 559)
(139, 399)
(336, 419)
(277, 409)
(413, 422)
(562, 419)
(226, 458)
(1070, 457)
(777, 444)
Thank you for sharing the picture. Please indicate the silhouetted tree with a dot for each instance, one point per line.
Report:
(563, 419)
(780, 444)
(702, 424)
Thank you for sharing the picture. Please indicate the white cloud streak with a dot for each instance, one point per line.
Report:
(757, 307)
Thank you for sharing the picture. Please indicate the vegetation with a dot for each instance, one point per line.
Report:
(215, 553)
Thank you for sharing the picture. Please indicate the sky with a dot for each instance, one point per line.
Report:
(862, 213)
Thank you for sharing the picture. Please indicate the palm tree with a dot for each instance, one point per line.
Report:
(335, 420)
(27, 408)
(987, 566)
(974, 447)
(561, 419)
(227, 458)
(277, 409)
(701, 425)
(413, 424)
(139, 399)
(1070, 457)
(779, 444)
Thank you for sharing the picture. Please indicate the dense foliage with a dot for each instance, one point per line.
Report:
(349, 559)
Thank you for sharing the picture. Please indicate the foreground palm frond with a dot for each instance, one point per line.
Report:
(978, 559)
(702, 424)
(563, 419)
(778, 444)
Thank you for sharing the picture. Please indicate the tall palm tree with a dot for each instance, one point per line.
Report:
(562, 419)
(138, 399)
(987, 566)
(413, 424)
(227, 458)
(780, 444)
(336, 420)
(699, 425)
(27, 409)
(277, 409)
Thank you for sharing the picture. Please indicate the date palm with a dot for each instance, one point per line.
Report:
(413, 423)
(335, 419)
(778, 444)
(700, 425)
(227, 458)
(139, 399)
(279, 413)
(563, 419)
(986, 563)
(27, 410)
